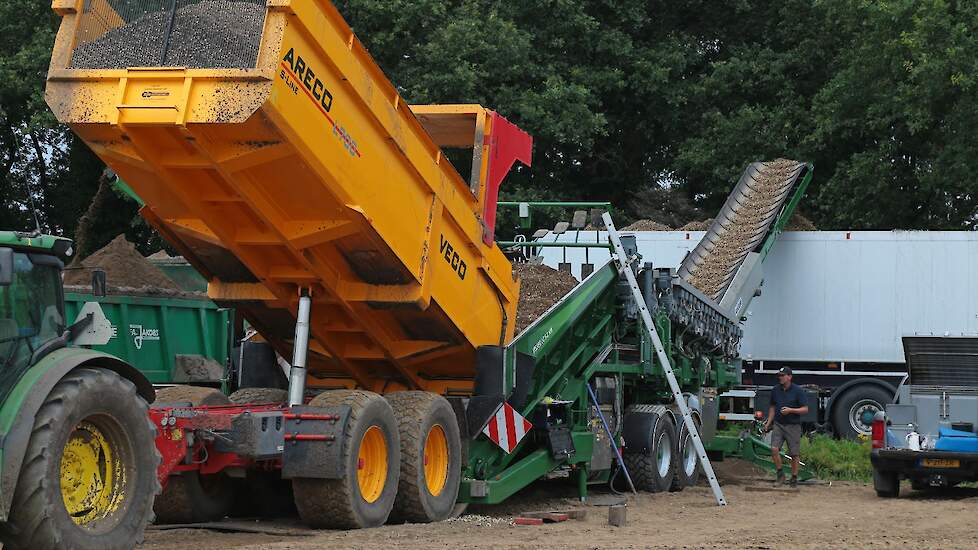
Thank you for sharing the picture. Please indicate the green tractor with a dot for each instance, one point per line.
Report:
(77, 450)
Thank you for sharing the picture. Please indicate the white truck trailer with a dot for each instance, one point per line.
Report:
(834, 307)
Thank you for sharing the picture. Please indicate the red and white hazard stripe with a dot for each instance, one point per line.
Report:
(507, 428)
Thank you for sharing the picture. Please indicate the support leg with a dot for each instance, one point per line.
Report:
(582, 483)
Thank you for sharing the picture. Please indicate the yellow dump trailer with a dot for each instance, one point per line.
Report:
(274, 154)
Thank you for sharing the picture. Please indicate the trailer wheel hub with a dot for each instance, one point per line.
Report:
(372, 464)
(663, 454)
(436, 460)
(92, 477)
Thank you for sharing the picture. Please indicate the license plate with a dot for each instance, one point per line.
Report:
(940, 463)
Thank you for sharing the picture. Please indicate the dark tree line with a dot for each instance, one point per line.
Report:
(654, 105)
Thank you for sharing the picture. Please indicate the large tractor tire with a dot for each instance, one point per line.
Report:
(431, 457)
(259, 396)
(687, 462)
(190, 497)
(371, 460)
(653, 469)
(89, 475)
(854, 410)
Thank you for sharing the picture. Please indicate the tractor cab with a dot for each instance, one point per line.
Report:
(32, 312)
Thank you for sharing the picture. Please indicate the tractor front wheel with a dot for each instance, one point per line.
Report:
(89, 475)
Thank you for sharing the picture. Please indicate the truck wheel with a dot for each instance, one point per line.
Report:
(654, 469)
(431, 457)
(687, 463)
(89, 474)
(852, 414)
(190, 497)
(258, 396)
(364, 496)
(887, 484)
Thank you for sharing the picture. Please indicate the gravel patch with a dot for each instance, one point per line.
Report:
(646, 225)
(208, 34)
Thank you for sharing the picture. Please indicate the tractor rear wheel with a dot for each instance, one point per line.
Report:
(190, 497)
(431, 457)
(364, 495)
(89, 474)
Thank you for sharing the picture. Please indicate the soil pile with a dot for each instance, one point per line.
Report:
(800, 223)
(540, 288)
(208, 34)
(125, 268)
(646, 225)
(697, 226)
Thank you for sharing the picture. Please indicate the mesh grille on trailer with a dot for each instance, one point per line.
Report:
(941, 360)
(196, 34)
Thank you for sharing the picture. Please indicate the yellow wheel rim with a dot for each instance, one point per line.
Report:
(372, 464)
(436, 460)
(92, 476)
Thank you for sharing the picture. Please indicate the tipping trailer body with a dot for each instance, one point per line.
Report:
(297, 167)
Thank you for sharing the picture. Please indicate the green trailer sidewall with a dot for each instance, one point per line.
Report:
(21, 405)
(168, 327)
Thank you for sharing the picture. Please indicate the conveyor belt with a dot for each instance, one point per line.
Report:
(741, 225)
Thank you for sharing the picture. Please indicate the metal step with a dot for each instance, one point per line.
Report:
(741, 225)
(624, 264)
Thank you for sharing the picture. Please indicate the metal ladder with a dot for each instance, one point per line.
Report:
(624, 265)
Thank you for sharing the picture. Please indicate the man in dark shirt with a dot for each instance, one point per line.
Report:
(788, 404)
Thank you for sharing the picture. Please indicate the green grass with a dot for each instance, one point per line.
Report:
(837, 459)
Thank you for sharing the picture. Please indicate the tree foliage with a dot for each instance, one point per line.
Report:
(44, 168)
(655, 105)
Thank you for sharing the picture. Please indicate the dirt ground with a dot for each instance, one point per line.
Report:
(836, 515)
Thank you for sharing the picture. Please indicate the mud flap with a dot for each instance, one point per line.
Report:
(488, 394)
(314, 442)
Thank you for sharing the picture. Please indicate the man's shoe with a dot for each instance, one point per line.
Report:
(780, 479)
(794, 482)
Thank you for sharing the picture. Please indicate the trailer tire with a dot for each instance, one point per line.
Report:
(431, 457)
(370, 438)
(92, 416)
(190, 497)
(862, 400)
(256, 396)
(887, 484)
(197, 396)
(687, 463)
(654, 469)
